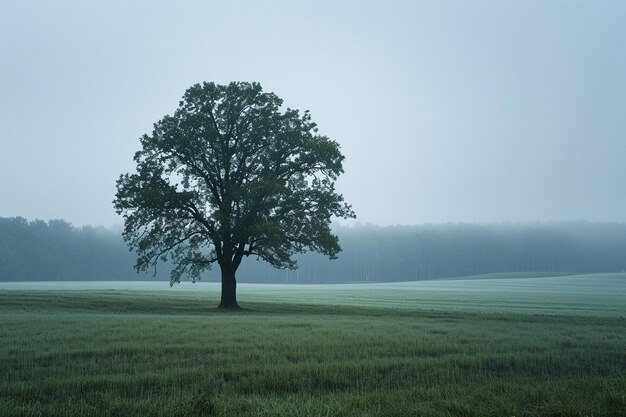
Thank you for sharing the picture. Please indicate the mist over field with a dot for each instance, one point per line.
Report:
(58, 251)
(329, 208)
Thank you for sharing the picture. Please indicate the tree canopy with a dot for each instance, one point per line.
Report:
(231, 175)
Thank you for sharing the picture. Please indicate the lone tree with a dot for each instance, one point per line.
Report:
(229, 175)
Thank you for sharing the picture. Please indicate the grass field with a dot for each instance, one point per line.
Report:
(499, 346)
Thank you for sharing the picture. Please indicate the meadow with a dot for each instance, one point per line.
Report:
(498, 345)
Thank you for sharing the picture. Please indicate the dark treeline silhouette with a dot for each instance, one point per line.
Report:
(56, 250)
(400, 253)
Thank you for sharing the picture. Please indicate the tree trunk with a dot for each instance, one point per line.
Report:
(229, 287)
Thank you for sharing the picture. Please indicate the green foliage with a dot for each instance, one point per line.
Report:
(120, 353)
(230, 175)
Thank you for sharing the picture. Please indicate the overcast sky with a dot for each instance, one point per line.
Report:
(462, 111)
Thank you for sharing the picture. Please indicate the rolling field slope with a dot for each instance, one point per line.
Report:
(545, 346)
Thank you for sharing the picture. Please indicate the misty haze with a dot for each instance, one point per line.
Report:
(326, 208)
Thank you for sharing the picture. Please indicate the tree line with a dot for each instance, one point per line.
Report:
(56, 250)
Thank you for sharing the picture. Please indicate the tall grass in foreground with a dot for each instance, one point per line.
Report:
(171, 354)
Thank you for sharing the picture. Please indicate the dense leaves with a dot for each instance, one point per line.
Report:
(231, 175)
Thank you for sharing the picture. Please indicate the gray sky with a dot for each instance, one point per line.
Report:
(481, 111)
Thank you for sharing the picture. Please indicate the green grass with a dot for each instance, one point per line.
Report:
(551, 346)
(525, 274)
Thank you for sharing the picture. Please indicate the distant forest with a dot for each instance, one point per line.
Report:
(56, 250)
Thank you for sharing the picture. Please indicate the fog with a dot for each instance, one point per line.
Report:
(58, 251)
(482, 111)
